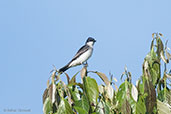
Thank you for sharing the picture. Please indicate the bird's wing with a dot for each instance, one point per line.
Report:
(81, 51)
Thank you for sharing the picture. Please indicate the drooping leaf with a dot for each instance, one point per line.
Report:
(80, 110)
(139, 106)
(155, 72)
(127, 103)
(123, 94)
(64, 107)
(101, 89)
(137, 83)
(47, 106)
(159, 46)
(68, 78)
(134, 93)
(74, 93)
(151, 67)
(161, 96)
(83, 104)
(141, 87)
(91, 90)
(109, 91)
(45, 95)
(163, 57)
(102, 108)
(60, 89)
(103, 77)
(67, 92)
(52, 92)
(106, 108)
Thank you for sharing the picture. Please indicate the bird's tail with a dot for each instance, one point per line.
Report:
(63, 69)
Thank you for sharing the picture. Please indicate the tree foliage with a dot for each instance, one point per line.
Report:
(150, 95)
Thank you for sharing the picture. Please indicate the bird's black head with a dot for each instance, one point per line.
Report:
(90, 39)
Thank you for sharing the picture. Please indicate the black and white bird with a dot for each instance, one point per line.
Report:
(81, 57)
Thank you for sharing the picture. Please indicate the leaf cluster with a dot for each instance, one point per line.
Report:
(150, 95)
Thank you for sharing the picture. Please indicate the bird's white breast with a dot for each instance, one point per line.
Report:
(82, 58)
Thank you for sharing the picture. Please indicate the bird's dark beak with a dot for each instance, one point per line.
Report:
(94, 40)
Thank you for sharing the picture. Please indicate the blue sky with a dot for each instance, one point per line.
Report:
(35, 34)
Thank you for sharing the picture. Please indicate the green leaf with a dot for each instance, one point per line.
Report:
(60, 89)
(83, 103)
(123, 93)
(152, 67)
(74, 93)
(161, 96)
(165, 96)
(155, 72)
(91, 90)
(80, 110)
(123, 96)
(64, 107)
(52, 92)
(47, 107)
(159, 46)
(102, 108)
(141, 85)
(139, 106)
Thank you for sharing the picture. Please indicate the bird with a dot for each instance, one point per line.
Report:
(82, 55)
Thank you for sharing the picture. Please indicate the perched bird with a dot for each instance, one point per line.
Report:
(81, 57)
